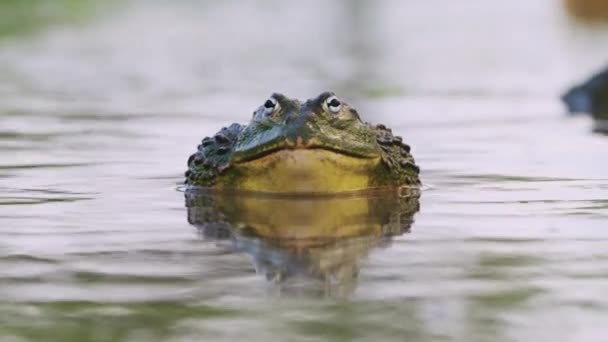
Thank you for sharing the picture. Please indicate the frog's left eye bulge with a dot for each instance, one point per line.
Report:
(271, 105)
(333, 104)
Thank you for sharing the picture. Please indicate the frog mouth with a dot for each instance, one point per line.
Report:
(299, 144)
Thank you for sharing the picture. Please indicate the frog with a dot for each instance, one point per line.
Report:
(317, 146)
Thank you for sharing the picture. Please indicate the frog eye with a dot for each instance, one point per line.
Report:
(333, 104)
(271, 105)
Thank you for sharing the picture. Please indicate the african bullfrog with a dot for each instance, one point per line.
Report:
(318, 146)
(591, 97)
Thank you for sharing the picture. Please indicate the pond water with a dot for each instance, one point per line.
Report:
(508, 241)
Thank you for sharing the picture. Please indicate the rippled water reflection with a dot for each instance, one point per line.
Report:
(313, 245)
(97, 118)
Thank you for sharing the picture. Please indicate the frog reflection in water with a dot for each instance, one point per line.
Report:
(304, 244)
(317, 146)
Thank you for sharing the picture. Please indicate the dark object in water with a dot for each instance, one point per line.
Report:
(591, 97)
(577, 100)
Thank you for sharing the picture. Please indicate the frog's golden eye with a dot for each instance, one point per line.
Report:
(333, 104)
(271, 105)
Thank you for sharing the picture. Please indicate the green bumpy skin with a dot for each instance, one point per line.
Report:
(345, 146)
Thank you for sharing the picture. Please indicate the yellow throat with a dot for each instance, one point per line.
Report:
(304, 171)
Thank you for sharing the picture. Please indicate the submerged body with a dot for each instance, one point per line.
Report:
(318, 146)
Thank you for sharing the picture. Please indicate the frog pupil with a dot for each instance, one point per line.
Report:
(268, 104)
(334, 103)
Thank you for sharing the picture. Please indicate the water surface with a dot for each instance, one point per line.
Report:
(98, 117)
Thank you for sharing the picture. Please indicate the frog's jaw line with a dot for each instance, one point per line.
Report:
(300, 144)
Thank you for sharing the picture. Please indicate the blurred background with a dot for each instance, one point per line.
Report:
(102, 102)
